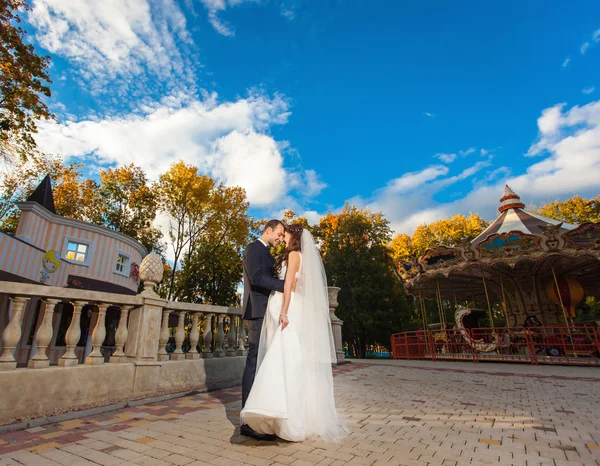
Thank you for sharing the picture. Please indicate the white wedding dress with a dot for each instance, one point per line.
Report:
(293, 395)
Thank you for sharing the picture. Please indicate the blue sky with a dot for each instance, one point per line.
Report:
(419, 109)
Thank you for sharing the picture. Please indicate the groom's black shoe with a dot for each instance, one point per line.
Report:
(248, 431)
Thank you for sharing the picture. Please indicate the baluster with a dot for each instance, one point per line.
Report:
(121, 336)
(207, 338)
(194, 337)
(43, 337)
(72, 336)
(163, 355)
(231, 337)
(98, 337)
(178, 354)
(12, 334)
(241, 351)
(219, 353)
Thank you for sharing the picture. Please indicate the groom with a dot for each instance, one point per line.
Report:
(258, 284)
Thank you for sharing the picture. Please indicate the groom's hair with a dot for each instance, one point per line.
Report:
(272, 224)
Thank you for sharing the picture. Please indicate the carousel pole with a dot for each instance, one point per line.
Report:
(423, 312)
(563, 306)
(440, 305)
(560, 300)
(504, 302)
(487, 297)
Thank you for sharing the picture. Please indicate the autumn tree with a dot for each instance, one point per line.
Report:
(448, 232)
(73, 198)
(575, 210)
(129, 205)
(24, 82)
(372, 303)
(204, 218)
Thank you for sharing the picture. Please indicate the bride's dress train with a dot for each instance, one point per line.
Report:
(293, 394)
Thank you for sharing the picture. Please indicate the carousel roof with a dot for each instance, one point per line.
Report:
(513, 217)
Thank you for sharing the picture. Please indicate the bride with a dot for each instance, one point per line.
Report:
(293, 396)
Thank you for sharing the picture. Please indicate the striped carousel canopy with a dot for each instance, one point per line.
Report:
(513, 217)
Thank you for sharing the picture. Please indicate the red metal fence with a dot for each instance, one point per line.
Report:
(577, 345)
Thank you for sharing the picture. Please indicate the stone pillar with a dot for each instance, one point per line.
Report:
(72, 337)
(231, 338)
(121, 336)
(241, 351)
(194, 338)
(43, 337)
(98, 336)
(163, 355)
(336, 324)
(207, 338)
(145, 321)
(220, 337)
(178, 354)
(12, 334)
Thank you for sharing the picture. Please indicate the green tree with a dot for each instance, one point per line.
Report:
(24, 81)
(372, 303)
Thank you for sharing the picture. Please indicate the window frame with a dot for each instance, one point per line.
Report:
(125, 273)
(88, 254)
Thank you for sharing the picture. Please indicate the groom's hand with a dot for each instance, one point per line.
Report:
(283, 321)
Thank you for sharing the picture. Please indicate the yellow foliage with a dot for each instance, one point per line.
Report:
(447, 232)
(575, 210)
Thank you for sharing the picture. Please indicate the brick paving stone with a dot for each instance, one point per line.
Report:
(399, 412)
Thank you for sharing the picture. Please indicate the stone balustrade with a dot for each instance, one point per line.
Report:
(206, 348)
(196, 317)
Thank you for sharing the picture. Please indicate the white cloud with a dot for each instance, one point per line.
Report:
(446, 158)
(549, 121)
(306, 183)
(214, 7)
(588, 90)
(431, 115)
(123, 47)
(569, 142)
(596, 35)
(413, 180)
(584, 47)
(449, 158)
(227, 140)
(314, 186)
(288, 13)
(469, 151)
(566, 62)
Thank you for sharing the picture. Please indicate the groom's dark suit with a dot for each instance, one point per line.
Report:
(258, 284)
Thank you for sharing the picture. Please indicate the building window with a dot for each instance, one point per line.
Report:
(122, 265)
(77, 252)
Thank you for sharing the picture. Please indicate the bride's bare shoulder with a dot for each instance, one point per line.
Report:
(294, 257)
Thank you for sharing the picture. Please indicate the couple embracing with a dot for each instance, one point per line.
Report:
(287, 387)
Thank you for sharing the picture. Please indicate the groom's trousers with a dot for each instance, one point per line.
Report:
(254, 328)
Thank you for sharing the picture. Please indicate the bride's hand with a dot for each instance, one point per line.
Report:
(283, 321)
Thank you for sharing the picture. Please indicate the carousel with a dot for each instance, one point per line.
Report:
(525, 270)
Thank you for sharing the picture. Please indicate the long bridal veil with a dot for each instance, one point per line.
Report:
(318, 348)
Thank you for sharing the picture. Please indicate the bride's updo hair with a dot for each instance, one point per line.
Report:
(295, 244)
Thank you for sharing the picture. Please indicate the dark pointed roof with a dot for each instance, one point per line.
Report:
(43, 195)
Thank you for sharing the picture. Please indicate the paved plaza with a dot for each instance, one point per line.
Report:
(400, 412)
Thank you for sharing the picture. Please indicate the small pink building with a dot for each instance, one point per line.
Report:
(63, 252)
